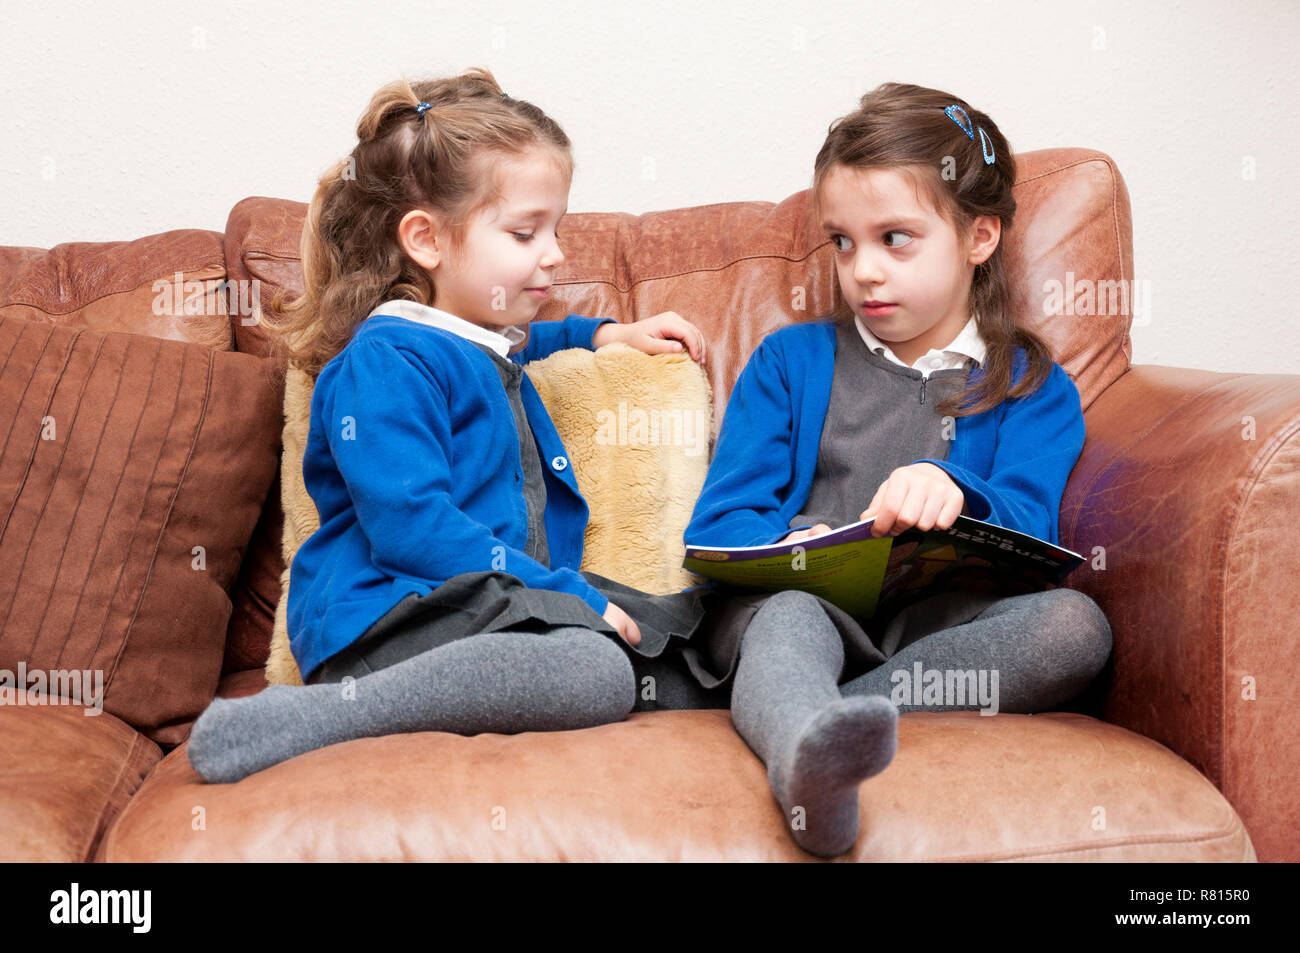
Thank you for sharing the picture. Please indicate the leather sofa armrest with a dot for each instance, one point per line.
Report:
(1189, 488)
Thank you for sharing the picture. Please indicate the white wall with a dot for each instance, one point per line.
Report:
(124, 119)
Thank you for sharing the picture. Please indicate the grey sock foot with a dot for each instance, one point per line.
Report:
(235, 737)
(497, 681)
(816, 780)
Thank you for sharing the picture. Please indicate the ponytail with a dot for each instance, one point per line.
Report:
(430, 145)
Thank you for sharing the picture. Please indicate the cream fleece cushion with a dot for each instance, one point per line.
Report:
(636, 427)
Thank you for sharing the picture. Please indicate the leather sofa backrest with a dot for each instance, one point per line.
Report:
(740, 270)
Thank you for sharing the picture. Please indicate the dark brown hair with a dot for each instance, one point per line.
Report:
(443, 160)
(903, 127)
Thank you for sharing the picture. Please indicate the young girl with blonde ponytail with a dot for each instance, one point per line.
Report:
(443, 584)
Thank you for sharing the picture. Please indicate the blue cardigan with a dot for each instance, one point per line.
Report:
(413, 461)
(1011, 462)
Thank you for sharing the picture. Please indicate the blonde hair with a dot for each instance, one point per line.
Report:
(443, 159)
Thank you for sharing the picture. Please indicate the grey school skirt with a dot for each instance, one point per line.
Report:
(476, 602)
(712, 655)
(690, 640)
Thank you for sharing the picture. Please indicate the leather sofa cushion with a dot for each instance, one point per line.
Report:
(682, 785)
(127, 286)
(67, 776)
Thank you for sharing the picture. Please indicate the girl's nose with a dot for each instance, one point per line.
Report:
(866, 271)
(554, 257)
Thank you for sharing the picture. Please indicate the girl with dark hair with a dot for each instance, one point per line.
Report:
(919, 401)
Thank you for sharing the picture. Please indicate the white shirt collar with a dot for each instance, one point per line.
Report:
(967, 343)
(437, 318)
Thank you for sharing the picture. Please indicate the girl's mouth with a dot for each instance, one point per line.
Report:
(877, 309)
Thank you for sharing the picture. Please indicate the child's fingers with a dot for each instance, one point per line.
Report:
(695, 341)
(623, 624)
(633, 633)
(690, 336)
(806, 533)
(652, 344)
(671, 325)
(871, 507)
(911, 509)
(951, 510)
(892, 494)
(931, 511)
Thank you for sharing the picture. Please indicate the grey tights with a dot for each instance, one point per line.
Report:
(503, 682)
(820, 740)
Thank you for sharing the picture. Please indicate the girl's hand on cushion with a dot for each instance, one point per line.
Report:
(806, 533)
(665, 333)
(621, 621)
(920, 495)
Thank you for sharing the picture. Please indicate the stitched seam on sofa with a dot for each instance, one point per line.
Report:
(171, 503)
(102, 819)
(658, 277)
(1126, 345)
(253, 254)
(1261, 462)
(1232, 830)
(31, 458)
(120, 291)
(148, 780)
(692, 271)
(1091, 156)
(116, 487)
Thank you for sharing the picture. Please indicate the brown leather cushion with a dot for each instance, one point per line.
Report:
(740, 270)
(67, 777)
(122, 455)
(682, 785)
(169, 285)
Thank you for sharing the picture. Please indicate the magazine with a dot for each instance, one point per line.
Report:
(864, 575)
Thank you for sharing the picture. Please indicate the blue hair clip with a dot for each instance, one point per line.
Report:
(952, 111)
(422, 107)
(986, 144)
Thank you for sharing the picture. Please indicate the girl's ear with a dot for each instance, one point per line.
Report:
(422, 238)
(985, 233)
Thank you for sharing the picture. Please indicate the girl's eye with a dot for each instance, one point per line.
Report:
(835, 240)
(523, 236)
(904, 234)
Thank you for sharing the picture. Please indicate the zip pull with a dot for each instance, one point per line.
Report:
(923, 390)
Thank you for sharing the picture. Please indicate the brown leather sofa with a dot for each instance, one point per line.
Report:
(141, 537)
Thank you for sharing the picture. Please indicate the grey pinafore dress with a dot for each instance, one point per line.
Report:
(881, 416)
(475, 602)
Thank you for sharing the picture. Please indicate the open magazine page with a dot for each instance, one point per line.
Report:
(864, 575)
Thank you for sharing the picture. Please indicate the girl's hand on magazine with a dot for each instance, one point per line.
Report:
(806, 533)
(664, 333)
(920, 495)
(621, 621)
